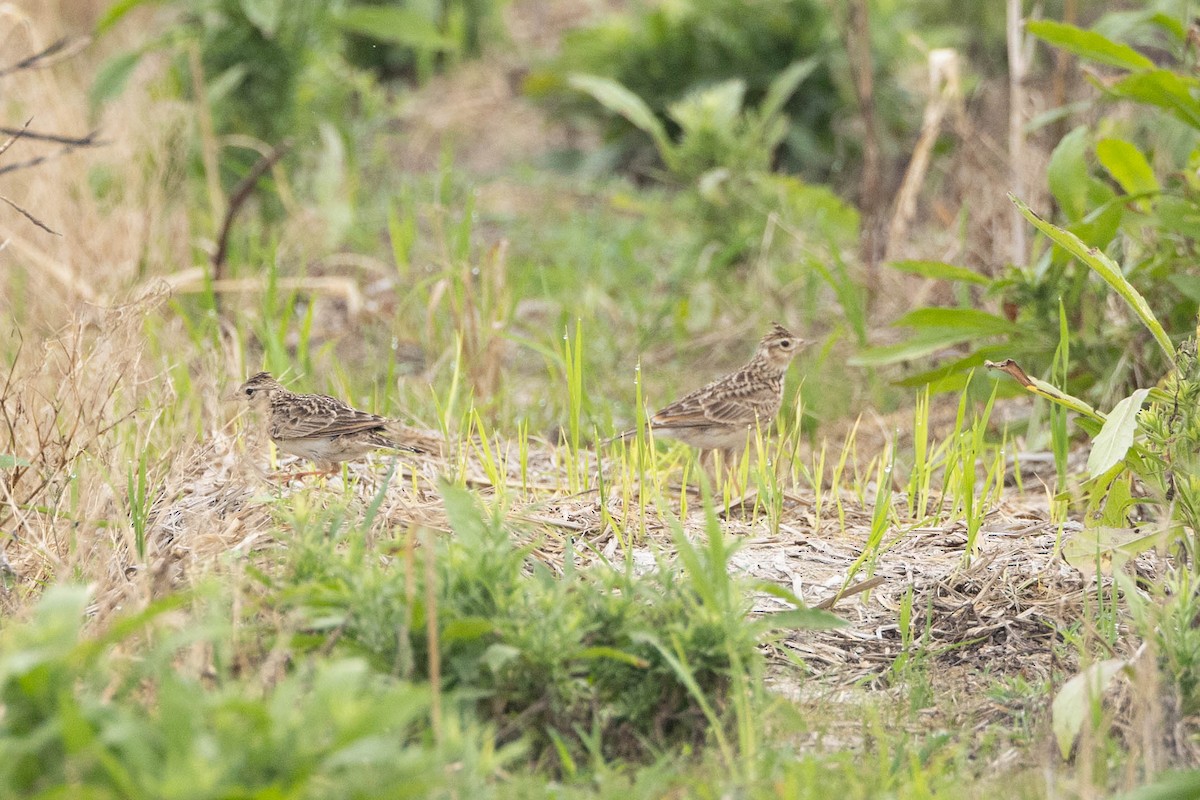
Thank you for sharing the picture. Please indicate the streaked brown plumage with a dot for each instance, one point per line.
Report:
(724, 414)
(326, 430)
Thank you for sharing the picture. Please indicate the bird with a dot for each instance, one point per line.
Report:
(325, 430)
(724, 414)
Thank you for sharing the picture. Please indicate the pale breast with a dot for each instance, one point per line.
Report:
(321, 449)
(710, 437)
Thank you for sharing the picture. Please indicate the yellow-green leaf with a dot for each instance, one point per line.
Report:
(1116, 437)
(1127, 165)
(1076, 698)
(1106, 268)
(1089, 44)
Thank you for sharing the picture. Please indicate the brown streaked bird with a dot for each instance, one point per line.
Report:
(325, 430)
(724, 414)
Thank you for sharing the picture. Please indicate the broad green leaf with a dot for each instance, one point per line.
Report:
(1164, 89)
(12, 462)
(784, 85)
(111, 78)
(1171, 786)
(962, 366)
(714, 108)
(498, 655)
(264, 15)
(1076, 698)
(1067, 173)
(1107, 269)
(942, 271)
(117, 11)
(923, 344)
(1170, 25)
(1116, 437)
(613, 654)
(399, 25)
(1188, 285)
(809, 619)
(1107, 548)
(1088, 44)
(467, 629)
(618, 99)
(959, 318)
(1127, 165)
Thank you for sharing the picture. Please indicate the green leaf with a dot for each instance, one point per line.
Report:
(714, 108)
(962, 319)
(1088, 44)
(1067, 173)
(117, 11)
(1164, 89)
(1107, 269)
(12, 462)
(1171, 25)
(1116, 437)
(1188, 285)
(1171, 786)
(264, 15)
(467, 629)
(784, 85)
(613, 654)
(498, 655)
(808, 619)
(619, 100)
(1110, 547)
(401, 26)
(1073, 702)
(923, 344)
(1127, 165)
(111, 78)
(942, 271)
(961, 366)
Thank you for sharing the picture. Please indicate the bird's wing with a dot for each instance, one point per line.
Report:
(720, 403)
(310, 416)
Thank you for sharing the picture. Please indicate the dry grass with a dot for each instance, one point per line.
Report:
(87, 394)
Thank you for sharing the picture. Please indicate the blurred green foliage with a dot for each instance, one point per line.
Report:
(277, 69)
(1126, 186)
(665, 52)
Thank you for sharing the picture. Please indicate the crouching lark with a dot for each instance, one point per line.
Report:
(326, 430)
(724, 414)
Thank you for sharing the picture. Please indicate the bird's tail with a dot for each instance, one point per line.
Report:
(620, 437)
(415, 440)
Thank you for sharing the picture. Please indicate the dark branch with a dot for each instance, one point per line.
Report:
(241, 194)
(34, 61)
(30, 217)
(71, 141)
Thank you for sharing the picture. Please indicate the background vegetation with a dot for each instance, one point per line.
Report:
(520, 224)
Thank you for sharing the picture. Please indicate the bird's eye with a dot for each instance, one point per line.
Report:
(249, 393)
(786, 344)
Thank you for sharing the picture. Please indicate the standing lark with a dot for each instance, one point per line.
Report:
(725, 413)
(326, 430)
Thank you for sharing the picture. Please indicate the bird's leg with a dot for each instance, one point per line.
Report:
(324, 469)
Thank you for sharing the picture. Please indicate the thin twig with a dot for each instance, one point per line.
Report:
(240, 195)
(17, 134)
(30, 217)
(73, 141)
(857, 588)
(33, 61)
